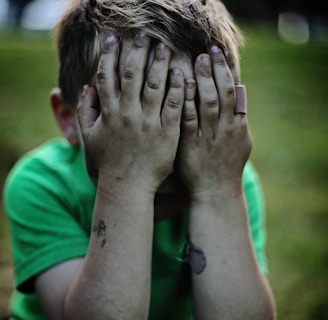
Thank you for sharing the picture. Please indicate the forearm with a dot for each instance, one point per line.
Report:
(130, 129)
(231, 286)
(114, 282)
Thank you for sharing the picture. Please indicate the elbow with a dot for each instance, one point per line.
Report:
(266, 313)
(270, 310)
(264, 309)
(255, 307)
(103, 309)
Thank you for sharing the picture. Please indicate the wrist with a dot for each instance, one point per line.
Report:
(117, 181)
(224, 192)
(224, 188)
(227, 202)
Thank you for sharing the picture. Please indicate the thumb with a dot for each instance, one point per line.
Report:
(88, 108)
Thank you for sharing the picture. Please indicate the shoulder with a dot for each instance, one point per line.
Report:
(52, 152)
(54, 170)
(46, 162)
(48, 201)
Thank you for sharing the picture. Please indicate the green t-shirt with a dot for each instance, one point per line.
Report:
(49, 202)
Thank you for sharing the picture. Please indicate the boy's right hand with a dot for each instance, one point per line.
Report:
(131, 130)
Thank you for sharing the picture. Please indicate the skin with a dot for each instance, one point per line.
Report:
(143, 158)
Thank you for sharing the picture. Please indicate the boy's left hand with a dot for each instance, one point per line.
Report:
(215, 142)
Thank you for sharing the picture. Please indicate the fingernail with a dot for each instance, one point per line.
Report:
(161, 46)
(205, 60)
(110, 41)
(176, 72)
(141, 35)
(215, 49)
(140, 39)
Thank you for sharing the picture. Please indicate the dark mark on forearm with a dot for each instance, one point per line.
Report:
(100, 228)
(195, 257)
(100, 231)
(103, 242)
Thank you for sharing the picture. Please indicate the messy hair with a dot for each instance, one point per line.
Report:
(185, 26)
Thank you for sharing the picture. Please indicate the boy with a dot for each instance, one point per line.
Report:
(165, 233)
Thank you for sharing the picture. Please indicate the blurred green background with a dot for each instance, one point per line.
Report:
(288, 114)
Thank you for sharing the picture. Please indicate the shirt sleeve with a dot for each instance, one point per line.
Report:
(43, 222)
(256, 211)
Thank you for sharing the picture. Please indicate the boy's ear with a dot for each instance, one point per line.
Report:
(64, 117)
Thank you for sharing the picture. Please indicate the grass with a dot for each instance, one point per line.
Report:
(288, 115)
(287, 92)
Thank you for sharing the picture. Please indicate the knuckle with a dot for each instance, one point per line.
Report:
(129, 73)
(177, 84)
(173, 102)
(244, 126)
(211, 103)
(101, 76)
(230, 91)
(147, 125)
(189, 117)
(106, 114)
(152, 84)
(229, 132)
(206, 73)
(220, 61)
(126, 119)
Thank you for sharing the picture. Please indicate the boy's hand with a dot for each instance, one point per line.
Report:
(215, 142)
(132, 131)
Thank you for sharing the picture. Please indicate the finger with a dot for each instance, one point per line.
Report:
(224, 83)
(107, 79)
(154, 90)
(87, 110)
(172, 109)
(233, 68)
(125, 49)
(189, 122)
(208, 96)
(133, 72)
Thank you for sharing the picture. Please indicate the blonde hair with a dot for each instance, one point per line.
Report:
(186, 26)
